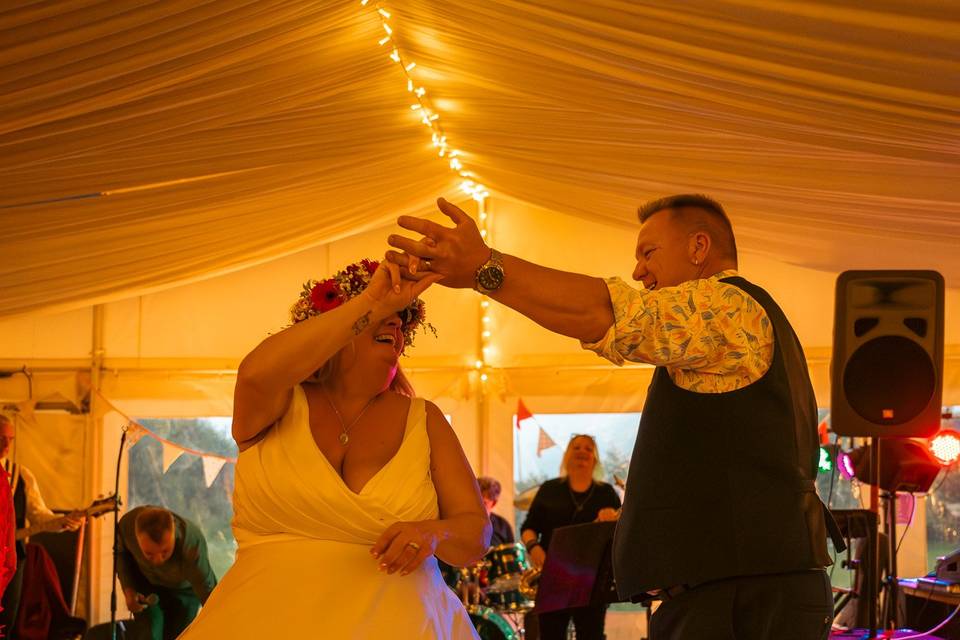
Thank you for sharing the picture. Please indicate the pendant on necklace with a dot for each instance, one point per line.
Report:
(344, 438)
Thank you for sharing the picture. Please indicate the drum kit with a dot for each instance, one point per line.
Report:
(498, 591)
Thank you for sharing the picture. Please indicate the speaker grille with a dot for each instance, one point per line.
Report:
(889, 380)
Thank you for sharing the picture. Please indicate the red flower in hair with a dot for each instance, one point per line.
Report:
(326, 295)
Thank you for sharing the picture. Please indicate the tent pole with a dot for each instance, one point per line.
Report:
(94, 454)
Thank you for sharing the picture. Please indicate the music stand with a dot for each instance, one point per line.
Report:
(578, 571)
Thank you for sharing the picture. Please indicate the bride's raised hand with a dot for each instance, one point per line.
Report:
(389, 292)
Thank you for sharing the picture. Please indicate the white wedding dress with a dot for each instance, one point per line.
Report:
(303, 567)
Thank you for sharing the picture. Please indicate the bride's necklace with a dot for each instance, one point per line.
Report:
(344, 429)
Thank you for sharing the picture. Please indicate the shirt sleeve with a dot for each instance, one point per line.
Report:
(127, 570)
(37, 510)
(701, 325)
(536, 517)
(198, 570)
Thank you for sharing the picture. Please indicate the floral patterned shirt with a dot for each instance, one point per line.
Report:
(711, 336)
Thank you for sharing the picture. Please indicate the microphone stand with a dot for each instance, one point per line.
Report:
(116, 540)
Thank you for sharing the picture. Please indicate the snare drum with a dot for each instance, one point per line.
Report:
(506, 563)
(490, 625)
(507, 601)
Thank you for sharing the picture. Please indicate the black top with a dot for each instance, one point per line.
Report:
(502, 531)
(557, 505)
(722, 484)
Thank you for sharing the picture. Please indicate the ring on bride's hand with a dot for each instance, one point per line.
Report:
(414, 545)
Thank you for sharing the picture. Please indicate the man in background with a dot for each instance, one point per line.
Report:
(490, 492)
(29, 508)
(164, 570)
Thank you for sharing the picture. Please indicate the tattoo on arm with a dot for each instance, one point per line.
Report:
(361, 323)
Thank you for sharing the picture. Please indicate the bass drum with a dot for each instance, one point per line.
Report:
(490, 625)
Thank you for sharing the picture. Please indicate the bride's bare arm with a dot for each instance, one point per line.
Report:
(266, 377)
(463, 529)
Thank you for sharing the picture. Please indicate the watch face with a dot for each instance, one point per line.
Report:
(490, 277)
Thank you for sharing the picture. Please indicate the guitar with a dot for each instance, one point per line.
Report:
(96, 508)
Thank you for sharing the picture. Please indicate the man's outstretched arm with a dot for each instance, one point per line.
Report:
(570, 304)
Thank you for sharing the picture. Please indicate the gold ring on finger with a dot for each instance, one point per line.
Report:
(414, 545)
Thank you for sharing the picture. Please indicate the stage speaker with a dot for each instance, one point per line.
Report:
(887, 367)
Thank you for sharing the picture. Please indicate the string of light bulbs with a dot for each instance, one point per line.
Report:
(422, 106)
(430, 118)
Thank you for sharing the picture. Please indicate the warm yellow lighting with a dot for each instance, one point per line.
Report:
(364, 2)
(478, 364)
(483, 215)
(387, 28)
(483, 233)
(486, 319)
(483, 377)
(415, 106)
(410, 66)
(384, 13)
(384, 41)
(435, 116)
(484, 303)
(395, 56)
(486, 334)
(420, 91)
(409, 85)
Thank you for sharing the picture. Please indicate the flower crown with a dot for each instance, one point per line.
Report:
(324, 295)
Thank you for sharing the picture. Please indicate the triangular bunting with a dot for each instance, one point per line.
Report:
(134, 433)
(522, 412)
(170, 455)
(211, 469)
(544, 442)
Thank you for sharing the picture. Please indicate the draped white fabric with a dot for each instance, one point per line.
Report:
(230, 133)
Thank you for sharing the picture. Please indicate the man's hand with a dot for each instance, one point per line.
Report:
(73, 520)
(455, 253)
(136, 602)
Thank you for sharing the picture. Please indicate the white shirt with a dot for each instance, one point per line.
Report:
(37, 510)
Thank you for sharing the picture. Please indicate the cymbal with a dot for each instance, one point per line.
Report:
(524, 499)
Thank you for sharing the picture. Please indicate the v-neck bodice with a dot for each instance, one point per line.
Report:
(286, 486)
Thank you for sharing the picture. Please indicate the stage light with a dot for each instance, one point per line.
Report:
(846, 465)
(945, 447)
(826, 463)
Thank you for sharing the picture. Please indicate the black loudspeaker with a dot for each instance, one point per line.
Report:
(887, 367)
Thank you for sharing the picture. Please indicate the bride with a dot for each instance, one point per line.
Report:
(347, 486)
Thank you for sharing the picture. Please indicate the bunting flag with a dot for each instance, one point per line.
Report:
(170, 455)
(171, 451)
(134, 433)
(545, 442)
(522, 412)
(823, 431)
(211, 469)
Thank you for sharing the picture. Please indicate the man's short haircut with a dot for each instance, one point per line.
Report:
(154, 523)
(489, 487)
(698, 213)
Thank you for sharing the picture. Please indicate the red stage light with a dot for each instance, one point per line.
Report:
(945, 447)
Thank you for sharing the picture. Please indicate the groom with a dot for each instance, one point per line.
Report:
(721, 518)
